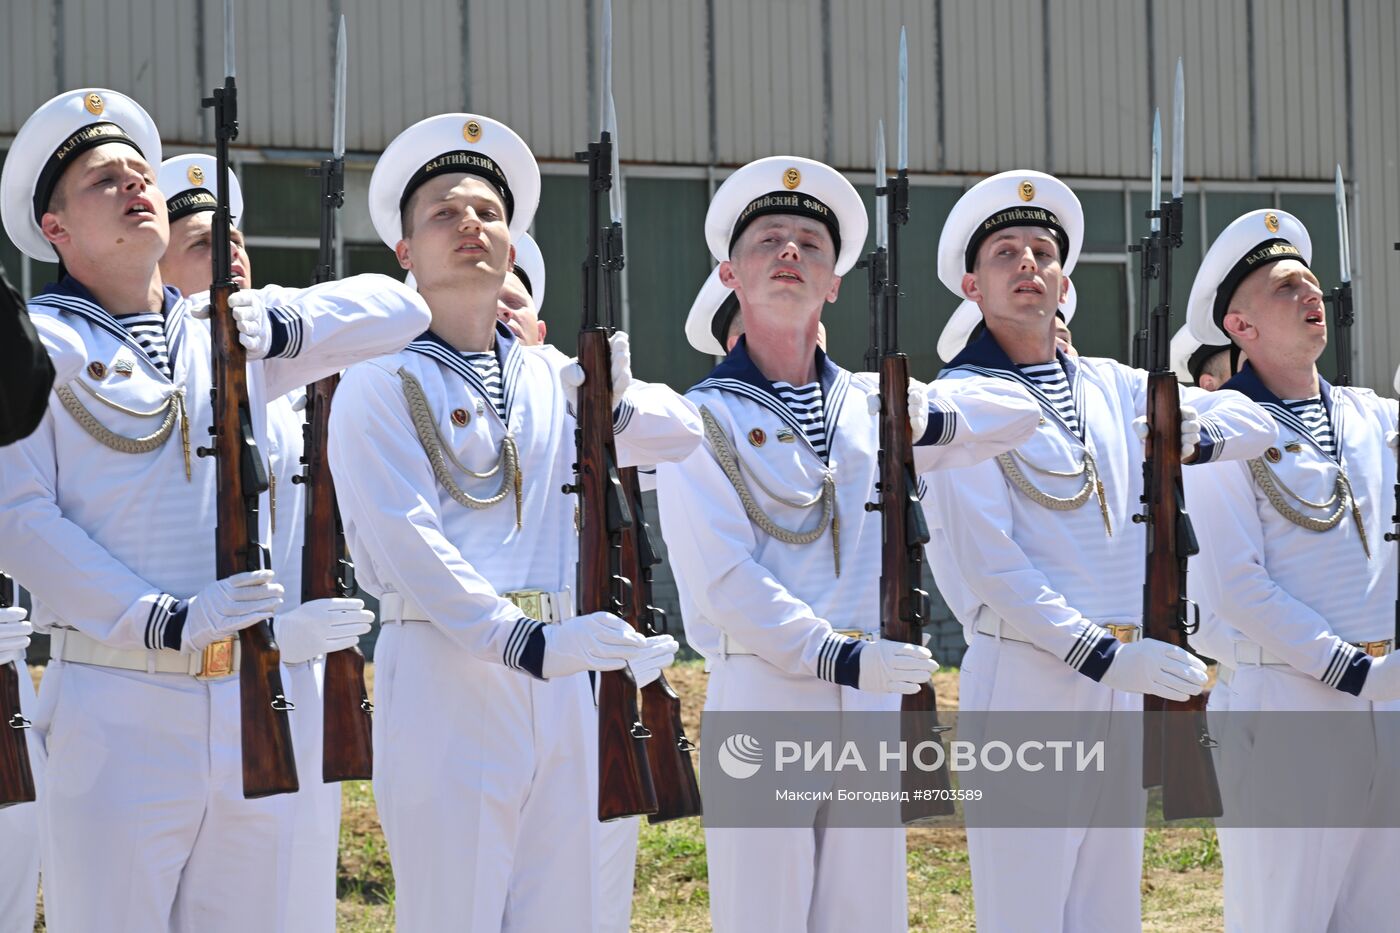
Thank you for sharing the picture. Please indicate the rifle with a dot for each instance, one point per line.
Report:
(668, 752)
(268, 764)
(1176, 746)
(16, 776)
(1340, 298)
(904, 604)
(625, 786)
(347, 752)
(1395, 535)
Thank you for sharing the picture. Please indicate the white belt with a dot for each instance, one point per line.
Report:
(990, 624)
(1224, 673)
(537, 604)
(1248, 653)
(729, 646)
(221, 659)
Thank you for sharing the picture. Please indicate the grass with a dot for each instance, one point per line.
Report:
(1181, 890)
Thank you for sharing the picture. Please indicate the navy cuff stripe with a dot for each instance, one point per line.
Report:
(286, 327)
(622, 416)
(1088, 637)
(1099, 657)
(173, 632)
(525, 627)
(846, 670)
(532, 655)
(1212, 443)
(826, 657)
(1354, 673)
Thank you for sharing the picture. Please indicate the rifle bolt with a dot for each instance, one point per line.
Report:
(874, 506)
(300, 478)
(569, 489)
(1141, 520)
(204, 451)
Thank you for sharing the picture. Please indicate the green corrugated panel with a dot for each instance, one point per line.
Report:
(561, 226)
(280, 200)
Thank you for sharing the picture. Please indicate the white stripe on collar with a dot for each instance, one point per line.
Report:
(833, 398)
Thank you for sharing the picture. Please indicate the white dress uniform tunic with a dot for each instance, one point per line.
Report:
(1305, 608)
(144, 822)
(485, 774)
(1050, 584)
(766, 613)
(311, 895)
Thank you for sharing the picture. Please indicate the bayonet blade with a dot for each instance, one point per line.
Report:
(229, 67)
(1156, 201)
(338, 133)
(903, 142)
(1178, 131)
(881, 180)
(615, 191)
(1343, 231)
(605, 98)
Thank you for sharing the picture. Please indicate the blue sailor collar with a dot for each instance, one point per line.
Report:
(986, 357)
(508, 355)
(738, 374)
(68, 294)
(1247, 383)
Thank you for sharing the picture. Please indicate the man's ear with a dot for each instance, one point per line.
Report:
(544, 329)
(401, 253)
(1064, 288)
(970, 289)
(1238, 327)
(834, 291)
(511, 267)
(53, 229)
(727, 276)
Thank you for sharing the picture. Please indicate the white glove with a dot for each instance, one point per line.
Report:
(1190, 430)
(1152, 666)
(1382, 680)
(320, 627)
(250, 317)
(918, 407)
(658, 655)
(228, 606)
(895, 667)
(620, 364)
(599, 641)
(14, 634)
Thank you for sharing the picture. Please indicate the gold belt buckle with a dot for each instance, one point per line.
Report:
(1126, 632)
(856, 633)
(217, 660)
(530, 602)
(1375, 649)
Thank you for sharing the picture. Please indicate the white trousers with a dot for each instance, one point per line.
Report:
(617, 867)
(1231, 791)
(486, 782)
(316, 808)
(1334, 879)
(143, 822)
(812, 879)
(1074, 879)
(19, 831)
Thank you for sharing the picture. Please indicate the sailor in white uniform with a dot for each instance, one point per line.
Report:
(1294, 562)
(449, 459)
(310, 629)
(1042, 539)
(107, 517)
(782, 604)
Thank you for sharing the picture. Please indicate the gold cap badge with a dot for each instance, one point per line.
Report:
(1026, 190)
(460, 417)
(195, 175)
(471, 132)
(792, 178)
(1271, 221)
(96, 370)
(94, 105)
(757, 437)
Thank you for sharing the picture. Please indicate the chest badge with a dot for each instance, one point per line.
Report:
(122, 367)
(480, 408)
(460, 417)
(1273, 455)
(786, 437)
(757, 437)
(1293, 447)
(96, 370)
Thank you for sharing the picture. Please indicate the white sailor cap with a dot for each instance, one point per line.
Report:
(958, 331)
(50, 140)
(529, 268)
(713, 310)
(190, 184)
(454, 142)
(788, 185)
(1012, 199)
(1250, 242)
(1189, 355)
(1396, 382)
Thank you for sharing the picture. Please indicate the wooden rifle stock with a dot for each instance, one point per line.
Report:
(668, 750)
(625, 786)
(347, 752)
(16, 775)
(903, 601)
